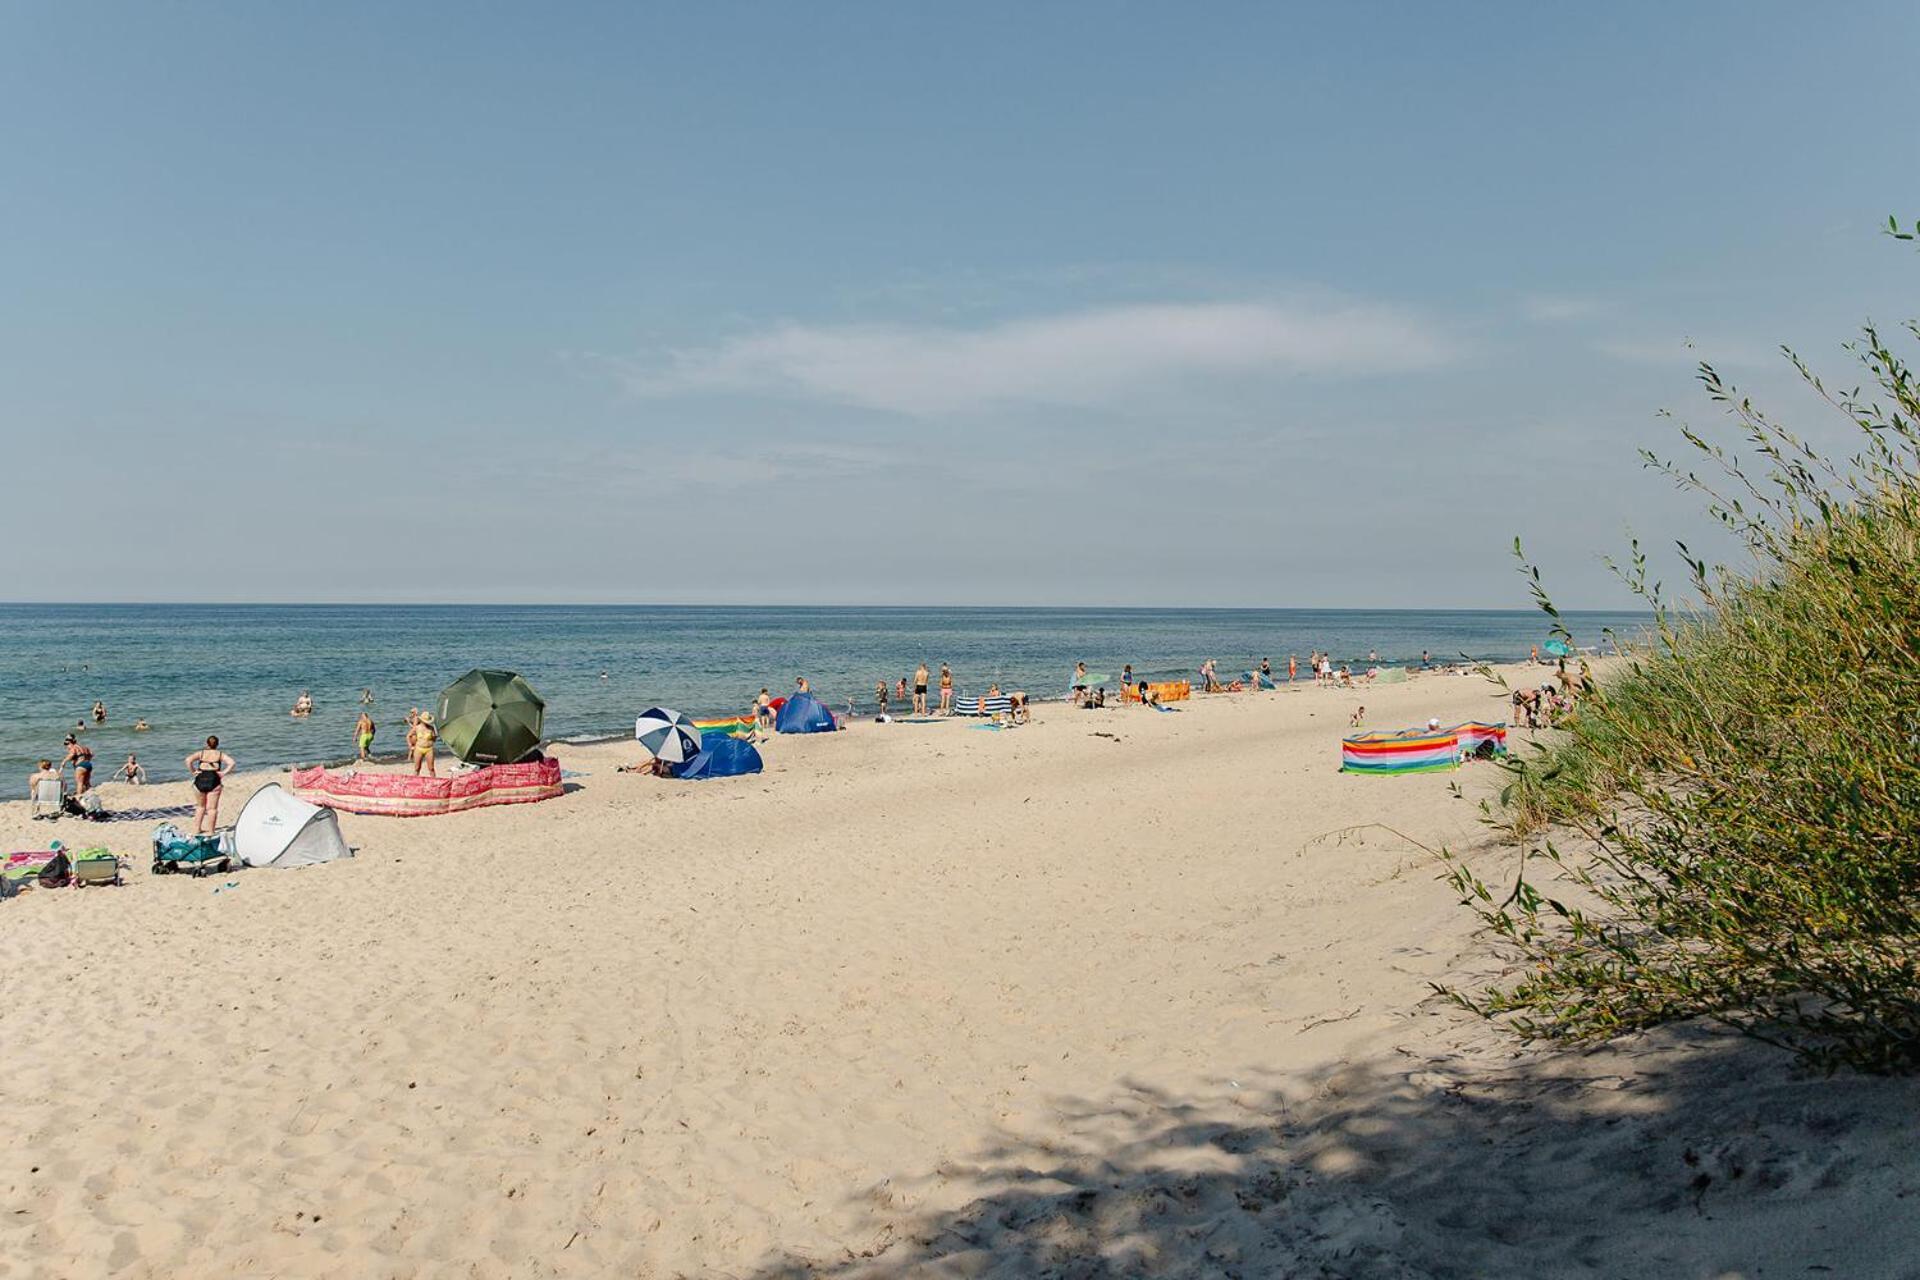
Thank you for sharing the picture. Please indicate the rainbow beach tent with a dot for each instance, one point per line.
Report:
(1415, 751)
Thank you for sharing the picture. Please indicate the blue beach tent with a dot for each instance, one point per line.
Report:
(804, 714)
(721, 757)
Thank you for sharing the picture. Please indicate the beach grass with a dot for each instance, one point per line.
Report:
(1730, 827)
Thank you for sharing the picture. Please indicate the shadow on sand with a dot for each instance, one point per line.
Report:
(1700, 1156)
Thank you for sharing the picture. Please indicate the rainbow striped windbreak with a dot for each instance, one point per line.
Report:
(726, 726)
(1419, 750)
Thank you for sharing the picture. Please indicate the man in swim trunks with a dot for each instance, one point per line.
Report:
(880, 695)
(763, 709)
(363, 730)
(920, 690)
(946, 690)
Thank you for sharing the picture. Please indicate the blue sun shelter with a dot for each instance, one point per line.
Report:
(721, 757)
(804, 713)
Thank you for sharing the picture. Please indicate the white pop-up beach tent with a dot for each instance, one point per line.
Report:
(278, 829)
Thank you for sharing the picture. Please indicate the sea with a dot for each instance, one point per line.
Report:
(234, 670)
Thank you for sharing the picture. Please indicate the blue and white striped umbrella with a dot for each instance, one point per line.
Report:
(669, 735)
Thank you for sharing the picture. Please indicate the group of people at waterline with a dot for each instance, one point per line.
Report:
(209, 765)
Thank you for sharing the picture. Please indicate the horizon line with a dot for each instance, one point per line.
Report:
(636, 604)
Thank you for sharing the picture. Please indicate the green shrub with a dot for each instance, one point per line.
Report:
(1730, 828)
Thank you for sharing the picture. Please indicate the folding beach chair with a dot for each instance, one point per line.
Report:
(48, 794)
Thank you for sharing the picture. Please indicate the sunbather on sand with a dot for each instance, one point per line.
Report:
(653, 768)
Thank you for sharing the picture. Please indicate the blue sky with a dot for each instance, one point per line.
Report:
(1102, 304)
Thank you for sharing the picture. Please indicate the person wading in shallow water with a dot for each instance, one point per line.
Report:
(920, 690)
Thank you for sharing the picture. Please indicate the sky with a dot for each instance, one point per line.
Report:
(1078, 304)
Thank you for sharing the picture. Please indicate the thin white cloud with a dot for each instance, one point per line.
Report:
(1557, 308)
(1674, 351)
(624, 473)
(1091, 357)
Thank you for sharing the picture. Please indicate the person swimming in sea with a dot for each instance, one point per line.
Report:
(302, 706)
(141, 726)
(99, 712)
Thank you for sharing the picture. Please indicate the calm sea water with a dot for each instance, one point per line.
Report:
(191, 670)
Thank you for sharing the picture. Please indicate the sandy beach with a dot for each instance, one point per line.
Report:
(1114, 993)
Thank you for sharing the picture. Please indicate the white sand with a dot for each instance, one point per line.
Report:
(1105, 995)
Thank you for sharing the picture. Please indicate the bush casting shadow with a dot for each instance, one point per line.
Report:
(1697, 1159)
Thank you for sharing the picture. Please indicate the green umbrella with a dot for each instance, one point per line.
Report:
(490, 717)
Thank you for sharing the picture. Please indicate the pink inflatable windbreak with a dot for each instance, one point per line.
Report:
(403, 795)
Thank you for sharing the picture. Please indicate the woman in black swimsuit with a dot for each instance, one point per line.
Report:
(210, 769)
